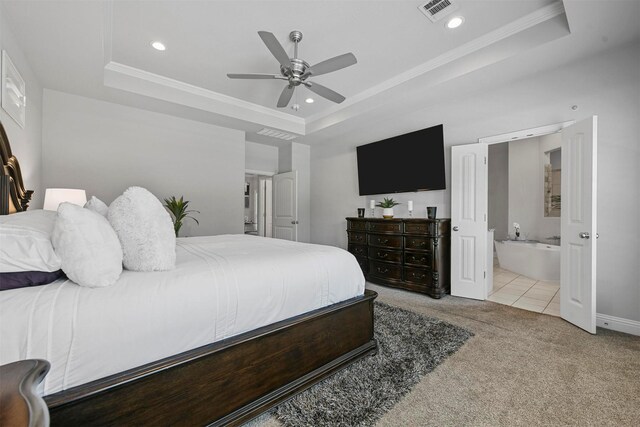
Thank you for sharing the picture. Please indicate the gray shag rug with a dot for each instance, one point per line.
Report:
(409, 346)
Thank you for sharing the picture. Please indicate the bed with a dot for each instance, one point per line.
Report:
(240, 325)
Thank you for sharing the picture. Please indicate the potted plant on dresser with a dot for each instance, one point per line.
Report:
(387, 207)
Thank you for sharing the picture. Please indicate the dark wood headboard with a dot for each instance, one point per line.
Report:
(13, 196)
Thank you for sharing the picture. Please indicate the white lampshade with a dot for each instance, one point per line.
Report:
(54, 196)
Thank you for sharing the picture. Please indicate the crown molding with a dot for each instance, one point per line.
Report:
(131, 79)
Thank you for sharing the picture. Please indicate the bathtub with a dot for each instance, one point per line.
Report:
(532, 259)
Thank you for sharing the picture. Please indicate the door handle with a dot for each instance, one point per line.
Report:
(455, 228)
(584, 235)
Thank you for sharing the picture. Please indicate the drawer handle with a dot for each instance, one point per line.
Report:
(419, 243)
(423, 259)
(358, 237)
(382, 255)
(382, 270)
(385, 241)
(359, 250)
(417, 276)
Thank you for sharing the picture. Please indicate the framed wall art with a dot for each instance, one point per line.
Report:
(14, 100)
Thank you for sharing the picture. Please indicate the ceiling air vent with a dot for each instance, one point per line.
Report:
(435, 10)
(276, 134)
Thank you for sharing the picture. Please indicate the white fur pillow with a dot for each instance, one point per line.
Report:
(145, 230)
(87, 246)
(97, 205)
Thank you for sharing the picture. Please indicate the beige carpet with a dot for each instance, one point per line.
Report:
(520, 368)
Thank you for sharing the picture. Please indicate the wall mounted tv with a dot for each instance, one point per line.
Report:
(404, 163)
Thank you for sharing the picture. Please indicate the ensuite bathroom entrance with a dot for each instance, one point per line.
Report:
(523, 217)
(523, 220)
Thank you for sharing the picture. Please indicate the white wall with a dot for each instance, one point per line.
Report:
(26, 144)
(261, 157)
(525, 192)
(105, 148)
(606, 85)
(498, 181)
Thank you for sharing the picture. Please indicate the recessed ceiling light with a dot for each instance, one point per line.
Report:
(455, 22)
(309, 100)
(158, 46)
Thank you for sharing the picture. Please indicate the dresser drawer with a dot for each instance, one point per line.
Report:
(418, 259)
(385, 241)
(358, 250)
(358, 238)
(417, 243)
(385, 227)
(418, 228)
(385, 271)
(417, 275)
(385, 255)
(356, 225)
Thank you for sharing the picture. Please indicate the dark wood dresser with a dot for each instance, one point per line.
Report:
(407, 253)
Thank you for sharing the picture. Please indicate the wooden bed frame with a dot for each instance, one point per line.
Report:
(223, 383)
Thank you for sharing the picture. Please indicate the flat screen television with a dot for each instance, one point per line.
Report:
(404, 163)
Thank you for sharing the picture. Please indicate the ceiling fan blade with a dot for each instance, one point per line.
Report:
(285, 96)
(253, 76)
(275, 48)
(333, 64)
(325, 92)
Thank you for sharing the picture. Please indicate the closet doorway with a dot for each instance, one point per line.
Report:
(258, 200)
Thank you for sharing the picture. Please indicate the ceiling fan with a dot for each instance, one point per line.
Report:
(296, 71)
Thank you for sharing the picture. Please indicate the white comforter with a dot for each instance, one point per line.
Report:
(222, 286)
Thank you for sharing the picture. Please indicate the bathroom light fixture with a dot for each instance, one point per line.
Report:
(309, 100)
(158, 46)
(455, 22)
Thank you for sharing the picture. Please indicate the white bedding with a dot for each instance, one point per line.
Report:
(222, 286)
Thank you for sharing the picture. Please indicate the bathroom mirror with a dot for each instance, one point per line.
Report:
(552, 183)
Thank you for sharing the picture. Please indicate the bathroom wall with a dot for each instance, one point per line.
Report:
(526, 187)
(498, 172)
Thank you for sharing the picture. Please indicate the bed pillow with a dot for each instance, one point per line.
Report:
(97, 205)
(25, 279)
(145, 230)
(25, 242)
(87, 245)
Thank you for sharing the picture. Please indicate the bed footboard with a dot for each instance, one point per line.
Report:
(228, 382)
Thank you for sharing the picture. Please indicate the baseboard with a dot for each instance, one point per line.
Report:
(618, 324)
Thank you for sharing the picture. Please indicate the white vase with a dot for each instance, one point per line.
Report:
(387, 213)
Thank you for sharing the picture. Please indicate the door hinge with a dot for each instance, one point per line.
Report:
(485, 217)
(485, 160)
(485, 274)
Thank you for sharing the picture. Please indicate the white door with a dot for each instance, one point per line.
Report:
(285, 206)
(469, 220)
(578, 222)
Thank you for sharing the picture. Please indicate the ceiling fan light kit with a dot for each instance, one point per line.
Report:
(296, 71)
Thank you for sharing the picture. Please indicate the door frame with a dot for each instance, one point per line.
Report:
(526, 134)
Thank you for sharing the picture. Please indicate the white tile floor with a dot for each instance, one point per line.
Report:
(522, 292)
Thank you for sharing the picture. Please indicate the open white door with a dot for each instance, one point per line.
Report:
(578, 222)
(469, 220)
(285, 206)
